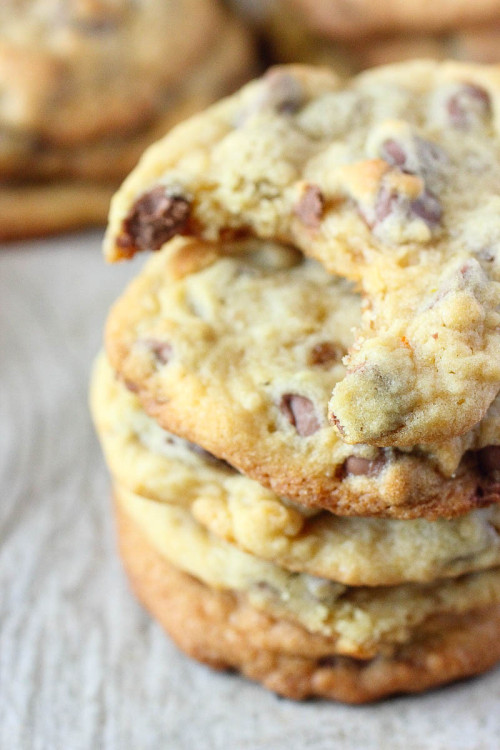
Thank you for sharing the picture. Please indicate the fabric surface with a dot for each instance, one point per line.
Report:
(81, 665)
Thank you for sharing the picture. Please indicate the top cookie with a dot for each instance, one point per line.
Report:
(391, 180)
(73, 70)
(350, 19)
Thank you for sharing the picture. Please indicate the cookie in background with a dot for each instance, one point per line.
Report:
(354, 36)
(87, 85)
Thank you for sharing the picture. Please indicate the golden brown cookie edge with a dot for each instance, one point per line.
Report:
(223, 631)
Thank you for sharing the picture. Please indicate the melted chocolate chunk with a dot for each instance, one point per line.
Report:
(385, 204)
(154, 219)
(489, 459)
(325, 353)
(427, 157)
(358, 466)
(467, 105)
(300, 412)
(310, 207)
(393, 153)
(427, 207)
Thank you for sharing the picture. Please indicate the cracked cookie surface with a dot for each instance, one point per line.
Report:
(391, 180)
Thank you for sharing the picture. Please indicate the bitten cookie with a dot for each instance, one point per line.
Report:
(390, 180)
(223, 630)
(235, 347)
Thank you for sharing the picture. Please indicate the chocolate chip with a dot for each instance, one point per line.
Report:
(393, 153)
(300, 412)
(284, 92)
(358, 466)
(427, 207)
(132, 387)
(467, 105)
(162, 350)
(154, 219)
(325, 353)
(310, 207)
(489, 458)
(385, 203)
(280, 92)
(425, 158)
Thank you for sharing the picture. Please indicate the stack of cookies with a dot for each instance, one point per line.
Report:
(298, 399)
(356, 34)
(86, 85)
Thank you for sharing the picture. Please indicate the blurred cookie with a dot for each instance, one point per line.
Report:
(153, 463)
(72, 71)
(44, 148)
(220, 627)
(353, 19)
(235, 347)
(34, 210)
(290, 38)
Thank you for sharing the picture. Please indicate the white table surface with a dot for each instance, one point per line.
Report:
(81, 665)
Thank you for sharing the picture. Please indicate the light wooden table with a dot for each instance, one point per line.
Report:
(81, 666)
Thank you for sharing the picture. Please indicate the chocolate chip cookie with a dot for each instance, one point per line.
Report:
(389, 180)
(86, 86)
(352, 19)
(291, 36)
(221, 628)
(235, 346)
(146, 460)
